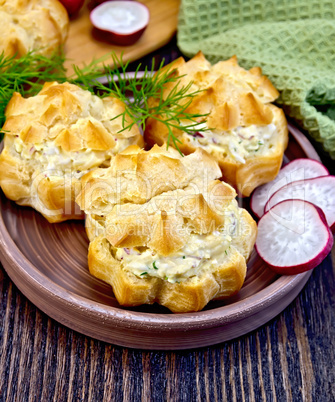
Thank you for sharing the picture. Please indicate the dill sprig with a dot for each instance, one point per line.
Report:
(28, 73)
(142, 91)
(146, 101)
(25, 75)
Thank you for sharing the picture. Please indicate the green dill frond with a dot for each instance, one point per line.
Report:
(27, 75)
(137, 90)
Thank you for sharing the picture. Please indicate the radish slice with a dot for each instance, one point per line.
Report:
(121, 22)
(298, 169)
(293, 237)
(319, 191)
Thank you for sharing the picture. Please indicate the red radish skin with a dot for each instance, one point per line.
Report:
(298, 169)
(293, 237)
(319, 191)
(94, 3)
(120, 22)
(72, 6)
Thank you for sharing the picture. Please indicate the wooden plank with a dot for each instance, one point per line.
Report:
(81, 46)
(290, 358)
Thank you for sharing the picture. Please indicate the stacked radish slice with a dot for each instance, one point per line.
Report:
(297, 214)
(298, 169)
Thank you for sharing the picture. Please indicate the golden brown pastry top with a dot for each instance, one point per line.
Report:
(163, 181)
(222, 82)
(54, 138)
(70, 118)
(28, 25)
(135, 176)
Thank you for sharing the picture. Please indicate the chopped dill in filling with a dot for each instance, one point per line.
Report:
(200, 252)
(238, 143)
(52, 157)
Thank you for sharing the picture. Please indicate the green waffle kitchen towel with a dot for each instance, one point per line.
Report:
(292, 40)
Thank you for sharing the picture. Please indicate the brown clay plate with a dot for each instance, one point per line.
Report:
(48, 263)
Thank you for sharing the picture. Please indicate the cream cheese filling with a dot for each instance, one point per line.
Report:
(75, 163)
(200, 252)
(238, 143)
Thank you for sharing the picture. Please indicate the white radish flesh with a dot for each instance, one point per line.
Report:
(121, 22)
(319, 191)
(298, 169)
(293, 237)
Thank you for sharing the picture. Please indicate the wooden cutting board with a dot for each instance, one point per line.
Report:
(81, 46)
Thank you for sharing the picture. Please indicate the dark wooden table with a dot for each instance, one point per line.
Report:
(291, 358)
